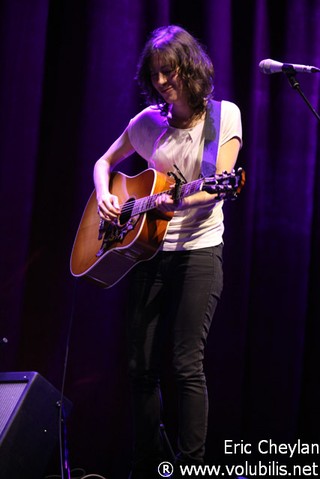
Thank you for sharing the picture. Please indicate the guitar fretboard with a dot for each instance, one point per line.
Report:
(229, 184)
(148, 203)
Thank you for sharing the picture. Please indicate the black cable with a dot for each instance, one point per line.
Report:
(63, 447)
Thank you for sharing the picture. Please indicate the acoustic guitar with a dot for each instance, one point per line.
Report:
(105, 252)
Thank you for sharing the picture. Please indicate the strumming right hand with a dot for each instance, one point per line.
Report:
(108, 207)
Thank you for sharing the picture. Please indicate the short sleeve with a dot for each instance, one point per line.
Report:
(231, 125)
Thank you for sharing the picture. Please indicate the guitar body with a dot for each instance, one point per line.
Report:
(106, 262)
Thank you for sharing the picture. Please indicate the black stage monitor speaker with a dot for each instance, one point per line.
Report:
(29, 424)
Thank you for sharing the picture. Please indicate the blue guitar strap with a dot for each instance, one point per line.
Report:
(211, 138)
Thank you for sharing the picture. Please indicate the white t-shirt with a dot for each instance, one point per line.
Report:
(162, 146)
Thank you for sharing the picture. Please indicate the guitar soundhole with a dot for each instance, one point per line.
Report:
(126, 211)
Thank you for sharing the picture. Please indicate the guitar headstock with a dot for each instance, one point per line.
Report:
(225, 185)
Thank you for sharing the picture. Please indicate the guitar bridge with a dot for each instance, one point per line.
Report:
(113, 233)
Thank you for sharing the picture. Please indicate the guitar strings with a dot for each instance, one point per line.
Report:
(128, 205)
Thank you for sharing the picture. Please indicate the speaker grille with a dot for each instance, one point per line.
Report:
(10, 395)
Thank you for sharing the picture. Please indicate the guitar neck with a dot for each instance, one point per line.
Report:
(148, 203)
(225, 185)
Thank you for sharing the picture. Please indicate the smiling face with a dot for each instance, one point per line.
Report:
(165, 79)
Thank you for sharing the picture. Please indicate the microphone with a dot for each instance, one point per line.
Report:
(271, 66)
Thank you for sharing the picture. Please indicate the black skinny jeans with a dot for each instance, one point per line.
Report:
(177, 294)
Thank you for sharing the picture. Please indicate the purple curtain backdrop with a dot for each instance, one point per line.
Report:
(67, 91)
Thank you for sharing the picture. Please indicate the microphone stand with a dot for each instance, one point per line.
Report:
(290, 73)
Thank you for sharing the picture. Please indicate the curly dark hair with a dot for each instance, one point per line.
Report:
(183, 52)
